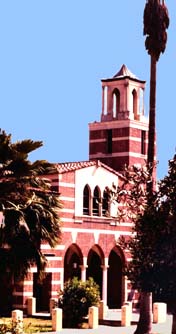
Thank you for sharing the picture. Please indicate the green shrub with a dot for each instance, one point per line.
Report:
(75, 300)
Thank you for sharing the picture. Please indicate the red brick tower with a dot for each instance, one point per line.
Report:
(121, 137)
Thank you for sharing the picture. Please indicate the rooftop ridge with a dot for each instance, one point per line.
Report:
(64, 167)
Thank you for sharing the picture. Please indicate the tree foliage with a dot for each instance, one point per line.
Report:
(29, 210)
(156, 21)
(76, 298)
(153, 240)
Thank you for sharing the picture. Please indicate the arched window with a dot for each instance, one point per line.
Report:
(86, 200)
(105, 203)
(116, 103)
(134, 103)
(96, 201)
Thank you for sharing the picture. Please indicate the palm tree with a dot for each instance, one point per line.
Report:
(156, 21)
(29, 210)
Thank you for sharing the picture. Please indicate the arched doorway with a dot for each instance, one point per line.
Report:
(114, 294)
(94, 269)
(72, 261)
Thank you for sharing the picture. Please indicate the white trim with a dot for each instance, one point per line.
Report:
(68, 220)
(70, 230)
(119, 154)
(66, 184)
(138, 139)
(120, 124)
(24, 293)
(56, 282)
(67, 210)
(68, 199)
(47, 270)
(54, 258)
(54, 293)
(47, 247)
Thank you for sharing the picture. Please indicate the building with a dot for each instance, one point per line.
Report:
(89, 245)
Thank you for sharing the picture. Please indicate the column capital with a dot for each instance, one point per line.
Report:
(104, 267)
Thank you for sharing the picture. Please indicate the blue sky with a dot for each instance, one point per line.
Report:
(53, 56)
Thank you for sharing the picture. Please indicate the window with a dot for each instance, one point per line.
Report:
(134, 103)
(116, 103)
(143, 135)
(86, 200)
(96, 201)
(109, 141)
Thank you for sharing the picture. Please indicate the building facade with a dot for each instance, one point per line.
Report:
(90, 229)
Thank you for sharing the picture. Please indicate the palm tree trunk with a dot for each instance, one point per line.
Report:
(144, 325)
(174, 323)
(152, 118)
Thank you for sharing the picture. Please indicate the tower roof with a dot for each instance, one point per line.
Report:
(123, 73)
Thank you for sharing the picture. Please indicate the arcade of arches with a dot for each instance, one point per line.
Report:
(106, 272)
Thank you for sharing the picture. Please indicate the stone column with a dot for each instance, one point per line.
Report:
(83, 269)
(104, 281)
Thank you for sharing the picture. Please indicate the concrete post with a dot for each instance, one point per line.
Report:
(130, 304)
(31, 306)
(102, 310)
(17, 321)
(93, 317)
(56, 319)
(159, 312)
(126, 315)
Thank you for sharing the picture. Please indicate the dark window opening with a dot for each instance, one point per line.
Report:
(143, 135)
(96, 201)
(86, 200)
(109, 141)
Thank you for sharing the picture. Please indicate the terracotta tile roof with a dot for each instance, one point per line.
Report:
(73, 166)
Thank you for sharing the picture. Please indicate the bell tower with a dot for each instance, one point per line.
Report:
(121, 136)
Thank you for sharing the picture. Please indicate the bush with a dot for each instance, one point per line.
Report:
(75, 300)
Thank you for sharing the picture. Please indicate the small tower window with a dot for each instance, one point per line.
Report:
(86, 200)
(134, 104)
(116, 103)
(143, 137)
(109, 141)
(105, 203)
(96, 201)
